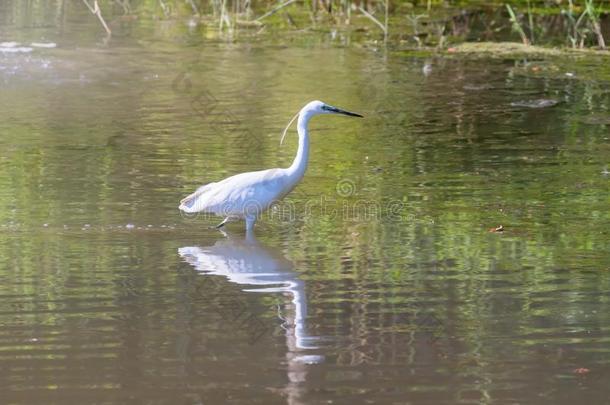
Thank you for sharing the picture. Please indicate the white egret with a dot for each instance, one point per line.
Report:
(247, 195)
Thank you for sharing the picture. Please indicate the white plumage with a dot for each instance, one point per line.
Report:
(247, 195)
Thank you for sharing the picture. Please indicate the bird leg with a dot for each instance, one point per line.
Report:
(250, 220)
(224, 221)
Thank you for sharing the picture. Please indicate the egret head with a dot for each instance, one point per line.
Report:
(314, 108)
(318, 107)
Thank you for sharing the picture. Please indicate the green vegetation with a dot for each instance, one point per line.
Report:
(516, 26)
(577, 24)
(403, 24)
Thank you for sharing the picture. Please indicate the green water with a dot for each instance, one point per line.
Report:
(376, 281)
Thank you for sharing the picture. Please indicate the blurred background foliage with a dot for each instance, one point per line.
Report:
(431, 23)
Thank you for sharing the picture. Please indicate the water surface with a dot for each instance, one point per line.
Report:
(377, 281)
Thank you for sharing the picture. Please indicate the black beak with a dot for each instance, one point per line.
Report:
(340, 111)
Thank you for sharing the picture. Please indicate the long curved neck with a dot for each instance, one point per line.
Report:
(299, 165)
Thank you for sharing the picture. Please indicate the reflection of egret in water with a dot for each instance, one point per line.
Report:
(247, 262)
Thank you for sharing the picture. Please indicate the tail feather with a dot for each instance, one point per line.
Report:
(187, 203)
